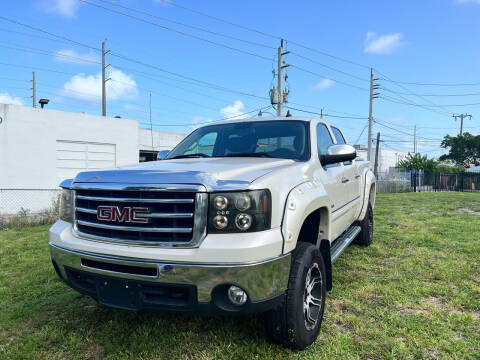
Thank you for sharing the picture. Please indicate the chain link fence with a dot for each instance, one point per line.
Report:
(28, 206)
(394, 181)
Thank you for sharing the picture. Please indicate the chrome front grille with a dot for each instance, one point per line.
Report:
(165, 215)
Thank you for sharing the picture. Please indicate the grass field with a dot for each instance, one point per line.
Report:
(413, 294)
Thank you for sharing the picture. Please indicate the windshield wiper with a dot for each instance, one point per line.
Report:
(186, 156)
(249, 155)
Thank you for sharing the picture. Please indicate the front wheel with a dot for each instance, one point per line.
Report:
(297, 322)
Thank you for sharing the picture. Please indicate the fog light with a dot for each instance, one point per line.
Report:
(237, 295)
(220, 222)
(243, 221)
(220, 202)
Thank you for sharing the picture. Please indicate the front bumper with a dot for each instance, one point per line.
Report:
(137, 284)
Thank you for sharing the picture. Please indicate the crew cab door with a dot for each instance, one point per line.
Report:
(351, 178)
(331, 177)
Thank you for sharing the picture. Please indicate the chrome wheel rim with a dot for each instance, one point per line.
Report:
(312, 296)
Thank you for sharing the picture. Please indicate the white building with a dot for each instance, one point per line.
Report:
(41, 147)
(387, 158)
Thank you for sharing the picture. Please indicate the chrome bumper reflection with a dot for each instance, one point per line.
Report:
(261, 280)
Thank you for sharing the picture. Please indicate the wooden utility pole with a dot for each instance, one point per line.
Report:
(375, 169)
(462, 116)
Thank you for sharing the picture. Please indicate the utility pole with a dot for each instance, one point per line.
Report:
(34, 91)
(278, 96)
(373, 95)
(151, 126)
(104, 81)
(461, 116)
(415, 140)
(375, 168)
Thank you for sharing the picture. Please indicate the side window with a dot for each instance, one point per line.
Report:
(204, 145)
(324, 140)
(338, 135)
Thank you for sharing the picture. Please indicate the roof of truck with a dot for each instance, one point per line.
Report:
(271, 118)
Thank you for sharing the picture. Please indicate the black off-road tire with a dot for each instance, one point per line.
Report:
(365, 237)
(288, 324)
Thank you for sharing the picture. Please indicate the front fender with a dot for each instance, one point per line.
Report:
(369, 192)
(301, 202)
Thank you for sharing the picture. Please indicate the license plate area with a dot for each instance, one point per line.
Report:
(118, 293)
(132, 294)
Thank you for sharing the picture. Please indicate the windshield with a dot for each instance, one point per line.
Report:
(285, 139)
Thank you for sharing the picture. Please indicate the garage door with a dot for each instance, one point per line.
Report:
(73, 157)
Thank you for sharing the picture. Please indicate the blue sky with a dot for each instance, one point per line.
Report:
(429, 41)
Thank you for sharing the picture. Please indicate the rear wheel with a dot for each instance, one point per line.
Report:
(297, 322)
(365, 237)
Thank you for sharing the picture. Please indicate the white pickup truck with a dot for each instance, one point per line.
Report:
(242, 216)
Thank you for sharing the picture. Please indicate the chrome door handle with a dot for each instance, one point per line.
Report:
(345, 180)
(357, 176)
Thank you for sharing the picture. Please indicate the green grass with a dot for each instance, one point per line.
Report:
(413, 294)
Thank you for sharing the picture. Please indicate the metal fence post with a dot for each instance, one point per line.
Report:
(414, 174)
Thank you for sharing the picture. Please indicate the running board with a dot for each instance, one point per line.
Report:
(343, 241)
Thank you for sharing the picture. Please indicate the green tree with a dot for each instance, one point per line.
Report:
(462, 150)
(417, 162)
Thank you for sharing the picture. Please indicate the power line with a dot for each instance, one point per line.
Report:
(327, 77)
(406, 89)
(432, 84)
(361, 133)
(328, 67)
(424, 105)
(49, 33)
(172, 3)
(187, 25)
(178, 31)
(45, 52)
(430, 95)
(327, 115)
(222, 119)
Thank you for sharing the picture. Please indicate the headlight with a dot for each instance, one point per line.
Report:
(66, 205)
(245, 211)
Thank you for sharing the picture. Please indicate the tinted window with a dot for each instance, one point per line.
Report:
(287, 139)
(324, 140)
(338, 135)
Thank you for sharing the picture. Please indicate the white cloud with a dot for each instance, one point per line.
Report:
(71, 56)
(65, 8)
(383, 44)
(234, 111)
(6, 98)
(324, 84)
(89, 87)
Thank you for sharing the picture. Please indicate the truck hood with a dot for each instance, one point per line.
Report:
(214, 173)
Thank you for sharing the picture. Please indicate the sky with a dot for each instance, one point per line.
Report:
(204, 61)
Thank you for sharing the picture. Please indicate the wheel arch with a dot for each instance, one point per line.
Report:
(307, 216)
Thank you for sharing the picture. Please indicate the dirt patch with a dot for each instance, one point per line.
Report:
(470, 211)
(95, 352)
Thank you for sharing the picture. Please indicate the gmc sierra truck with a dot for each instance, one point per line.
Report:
(242, 216)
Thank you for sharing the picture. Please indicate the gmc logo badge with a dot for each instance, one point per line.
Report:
(126, 214)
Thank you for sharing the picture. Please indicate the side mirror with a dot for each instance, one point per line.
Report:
(162, 154)
(338, 153)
